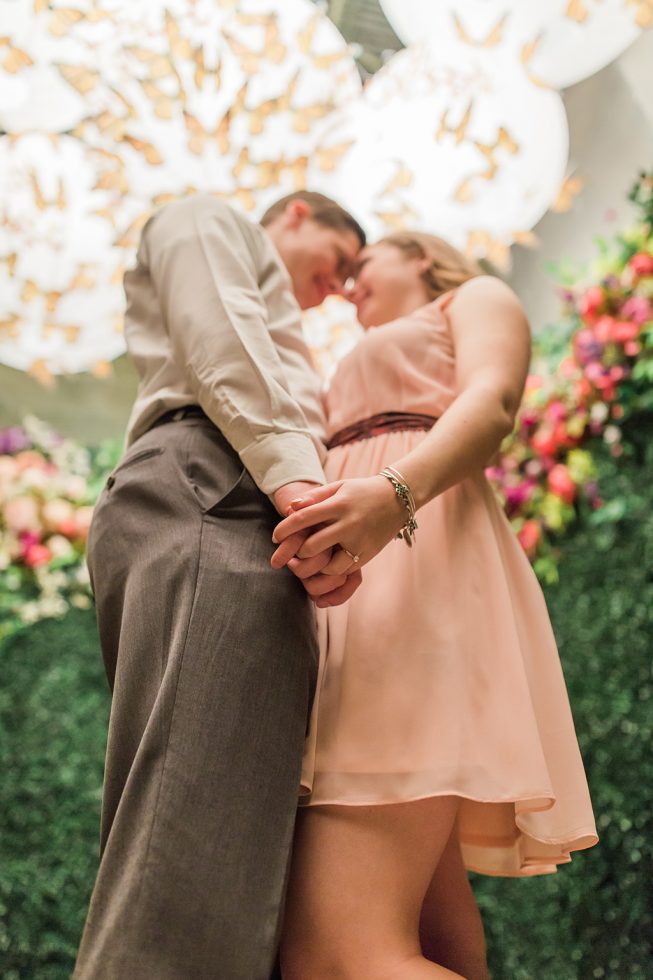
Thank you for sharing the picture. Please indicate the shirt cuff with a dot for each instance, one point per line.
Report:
(278, 458)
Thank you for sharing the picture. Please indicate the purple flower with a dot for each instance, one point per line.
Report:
(13, 440)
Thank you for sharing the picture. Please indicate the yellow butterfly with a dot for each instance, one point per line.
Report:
(180, 46)
(163, 104)
(327, 157)
(303, 118)
(306, 36)
(571, 188)
(51, 300)
(62, 19)
(281, 103)
(297, 169)
(481, 244)
(458, 131)
(130, 235)
(494, 37)
(398, 220)
(465, 191)
(15, 58)
(158, 65)
(643, 12)
(102, 369)
(39, 198)
(29, 291)
(198, 136)
(526, 238)
(402, 178)
(82, 279)
(576, 10)
(82, 79)
(10, 326)
(39, 369)
(148, 150)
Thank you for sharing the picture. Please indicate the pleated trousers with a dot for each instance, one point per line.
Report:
(211, 656)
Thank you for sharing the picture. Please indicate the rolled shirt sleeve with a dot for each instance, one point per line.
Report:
(205, 269)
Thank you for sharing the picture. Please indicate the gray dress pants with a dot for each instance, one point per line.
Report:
(211, 656)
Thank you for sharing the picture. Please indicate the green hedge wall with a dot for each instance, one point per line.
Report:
(591, 920)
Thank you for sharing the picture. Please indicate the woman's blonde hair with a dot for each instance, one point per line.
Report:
(449, 268)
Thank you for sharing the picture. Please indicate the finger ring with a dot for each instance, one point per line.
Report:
(354, 558)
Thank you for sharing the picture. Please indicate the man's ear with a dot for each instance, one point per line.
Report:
(297, 212)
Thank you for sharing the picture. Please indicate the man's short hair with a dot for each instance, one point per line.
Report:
(324, 211)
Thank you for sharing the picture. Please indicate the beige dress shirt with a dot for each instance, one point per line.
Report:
(211, 320)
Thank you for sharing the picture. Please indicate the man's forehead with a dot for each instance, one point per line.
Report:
(348, 244)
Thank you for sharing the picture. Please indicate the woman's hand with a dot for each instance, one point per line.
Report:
(359, 515)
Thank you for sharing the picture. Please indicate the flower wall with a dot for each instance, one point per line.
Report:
(592, 374)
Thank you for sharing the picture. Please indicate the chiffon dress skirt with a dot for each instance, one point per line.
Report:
(441, 675)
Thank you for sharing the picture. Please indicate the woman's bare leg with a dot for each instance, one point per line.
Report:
(451, 929)
(358, 882)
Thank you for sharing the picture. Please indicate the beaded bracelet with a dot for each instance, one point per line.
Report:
(405, 494)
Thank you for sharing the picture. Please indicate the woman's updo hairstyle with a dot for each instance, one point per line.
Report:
(449, 268)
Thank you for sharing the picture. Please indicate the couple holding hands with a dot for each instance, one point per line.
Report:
(315, 599)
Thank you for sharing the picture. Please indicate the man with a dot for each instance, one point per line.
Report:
(210, 652)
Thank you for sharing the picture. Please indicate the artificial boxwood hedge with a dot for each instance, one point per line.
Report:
(591, 920)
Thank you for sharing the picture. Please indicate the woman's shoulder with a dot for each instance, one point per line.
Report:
(482, 289)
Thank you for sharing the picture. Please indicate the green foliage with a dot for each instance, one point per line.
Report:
(594, 918)
(53, 723)
(590, 920)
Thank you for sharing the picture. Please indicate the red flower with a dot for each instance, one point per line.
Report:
(37, 554)
(623, 330)
(561, 483)
(544, 442)
(591, 303)
(642, 264)
(529, 536)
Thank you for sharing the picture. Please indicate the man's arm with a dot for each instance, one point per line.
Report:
(205, 273)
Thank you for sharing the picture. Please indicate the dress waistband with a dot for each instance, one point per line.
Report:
(378, 425)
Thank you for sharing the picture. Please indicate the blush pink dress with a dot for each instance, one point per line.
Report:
(441, 675)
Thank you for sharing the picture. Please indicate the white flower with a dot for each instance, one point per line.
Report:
(612, 435)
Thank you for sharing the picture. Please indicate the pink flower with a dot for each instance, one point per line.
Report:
(83, 519)
(632, 348)
(638, 309)
(603, 329)
(533, 383)
(556, 411)
(518, 495)
(37, 555)
(21, 514)
(561, 483)
(29, 459)
(58, 514)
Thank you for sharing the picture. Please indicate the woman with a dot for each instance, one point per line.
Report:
(441, 736)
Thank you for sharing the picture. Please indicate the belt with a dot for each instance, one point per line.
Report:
(176, 414)
(378, 425)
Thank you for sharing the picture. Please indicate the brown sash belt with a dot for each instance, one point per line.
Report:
(378, 425)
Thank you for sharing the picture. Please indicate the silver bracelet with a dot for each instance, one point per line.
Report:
(405, 494)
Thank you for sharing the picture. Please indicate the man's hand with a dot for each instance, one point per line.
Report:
(284, 496)
(324, 590)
